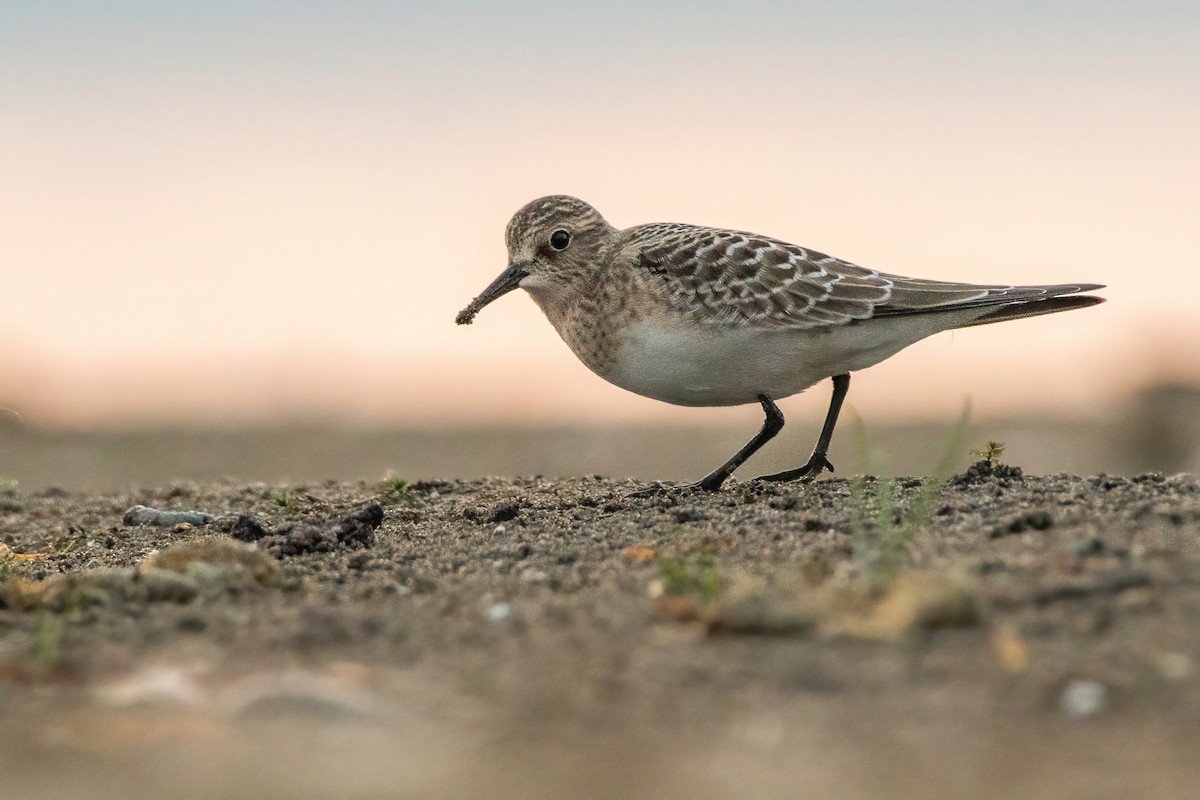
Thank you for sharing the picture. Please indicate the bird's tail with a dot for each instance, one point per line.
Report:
(988, 303)
(1035, 308)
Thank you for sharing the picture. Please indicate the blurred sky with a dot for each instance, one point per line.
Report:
(224, 210)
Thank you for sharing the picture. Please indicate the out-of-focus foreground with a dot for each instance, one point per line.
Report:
(1004, 636)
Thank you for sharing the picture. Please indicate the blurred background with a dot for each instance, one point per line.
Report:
(234, 235)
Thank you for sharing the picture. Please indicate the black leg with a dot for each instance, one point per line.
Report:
(772, 425)
(818, 462)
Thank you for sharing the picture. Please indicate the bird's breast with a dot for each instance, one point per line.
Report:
(699, 365)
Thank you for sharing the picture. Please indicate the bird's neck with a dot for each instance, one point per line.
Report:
(587, 310)
(564, 295)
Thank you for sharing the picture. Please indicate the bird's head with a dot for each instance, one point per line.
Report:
(551, 242)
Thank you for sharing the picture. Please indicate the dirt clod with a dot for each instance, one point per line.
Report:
(247, 529)
(356, 529)
(985, 470)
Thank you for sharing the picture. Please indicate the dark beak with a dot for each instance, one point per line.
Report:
(508, 280)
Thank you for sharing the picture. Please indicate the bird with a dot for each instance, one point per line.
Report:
(700, 316)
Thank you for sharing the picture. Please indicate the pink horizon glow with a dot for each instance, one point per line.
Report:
(192, 244)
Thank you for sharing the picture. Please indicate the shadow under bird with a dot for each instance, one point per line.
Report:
(701, 316)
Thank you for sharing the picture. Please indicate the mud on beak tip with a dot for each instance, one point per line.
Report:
(467, 315)
(507, 281)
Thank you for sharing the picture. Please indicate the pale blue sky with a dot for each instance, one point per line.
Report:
(459, 44)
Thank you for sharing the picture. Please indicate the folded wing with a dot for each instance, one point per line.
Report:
(725, 277)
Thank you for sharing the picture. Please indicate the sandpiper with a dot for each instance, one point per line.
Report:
(701, 316)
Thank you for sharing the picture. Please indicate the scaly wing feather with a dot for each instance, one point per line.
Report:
(734, 278)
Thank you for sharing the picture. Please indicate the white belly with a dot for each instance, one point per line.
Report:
(696, 365)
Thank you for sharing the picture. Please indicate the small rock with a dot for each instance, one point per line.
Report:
(1083, 698)
(144, 515)
(499, 611)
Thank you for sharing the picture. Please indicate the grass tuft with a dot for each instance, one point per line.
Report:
(397, 492)
(881, 527)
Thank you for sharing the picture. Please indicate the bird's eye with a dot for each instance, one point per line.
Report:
(559, 240)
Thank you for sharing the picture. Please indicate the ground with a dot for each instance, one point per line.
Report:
(1001, 635)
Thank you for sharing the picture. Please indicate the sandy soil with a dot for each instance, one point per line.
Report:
(1001, 636)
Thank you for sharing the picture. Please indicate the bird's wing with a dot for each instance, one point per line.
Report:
(733, 278)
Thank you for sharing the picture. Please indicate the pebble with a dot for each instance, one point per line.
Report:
(499, 611)
(1083, 698)
(144, 515)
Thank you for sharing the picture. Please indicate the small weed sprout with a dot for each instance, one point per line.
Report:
(697, 574)
(880, 530)
(396, 491)
(283, 499)
(991, 452)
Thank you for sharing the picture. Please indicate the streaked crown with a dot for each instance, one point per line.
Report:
(557, 230)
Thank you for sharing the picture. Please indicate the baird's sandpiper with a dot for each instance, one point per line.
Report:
(701, 316)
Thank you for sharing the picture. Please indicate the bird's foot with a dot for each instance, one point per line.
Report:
(815, 466)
